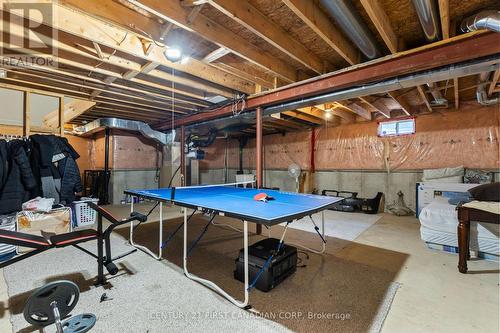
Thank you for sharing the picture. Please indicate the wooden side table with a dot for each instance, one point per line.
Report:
(465, 216)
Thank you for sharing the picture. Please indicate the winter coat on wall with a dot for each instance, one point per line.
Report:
(53, 160)
(19, 182)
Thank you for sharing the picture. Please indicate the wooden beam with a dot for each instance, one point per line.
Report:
(444, 12)
(95, 30)
(43, 92)
(494, 81)
(424, 98)
(32, 86)
(192, 3)
(315, 112)
(405, 106)
(173, 12)
(119, 95)
(456, 93)
(321, 24)
(431, 56)
(359, 110)
(251, 18)
(98, 50)
(72, 56)
(115, 12)
(216, 54)
(161, 75)
(148, 67)
(81, 55)
(382, 23)
(305, 117)
(164, 33)
(245, 72)
(376, 105)
(72, 110)
(194, 13)
(344, 113)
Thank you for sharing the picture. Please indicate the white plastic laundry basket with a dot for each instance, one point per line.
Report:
(83, 213)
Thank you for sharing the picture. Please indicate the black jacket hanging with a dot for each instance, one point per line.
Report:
(54, 162)
(20, 180)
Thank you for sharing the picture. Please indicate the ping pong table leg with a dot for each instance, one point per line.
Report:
(160, 236)
(211, 284)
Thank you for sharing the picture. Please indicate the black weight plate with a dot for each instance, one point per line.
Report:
(38, 310)
(79, 324)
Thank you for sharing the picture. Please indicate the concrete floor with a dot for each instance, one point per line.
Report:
(433, 296)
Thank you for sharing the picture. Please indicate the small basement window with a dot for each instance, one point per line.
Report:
(396, 127)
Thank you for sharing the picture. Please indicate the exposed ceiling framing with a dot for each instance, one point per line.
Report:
(111, 55)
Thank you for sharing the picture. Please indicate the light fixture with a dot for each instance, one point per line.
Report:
(3, 73)
(173, 54)
(328, 113)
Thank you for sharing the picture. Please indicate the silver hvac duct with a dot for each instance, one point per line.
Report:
(476, 66)
(130, 125)
(428, 15)
(353, 26)
(488, 19)
(481, 94)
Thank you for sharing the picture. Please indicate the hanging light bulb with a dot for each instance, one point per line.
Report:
(173, 54)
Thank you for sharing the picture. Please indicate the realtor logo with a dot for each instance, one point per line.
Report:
(28, 37)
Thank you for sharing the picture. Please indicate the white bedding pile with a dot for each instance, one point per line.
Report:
(439, 225)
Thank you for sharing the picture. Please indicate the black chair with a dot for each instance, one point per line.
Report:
(41, 244)
(351, 202)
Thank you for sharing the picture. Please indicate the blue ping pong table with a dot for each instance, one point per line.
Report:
(236, 202)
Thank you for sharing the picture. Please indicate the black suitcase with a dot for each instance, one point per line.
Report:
(281, 266)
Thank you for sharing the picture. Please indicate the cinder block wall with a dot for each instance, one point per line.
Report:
(366, 183)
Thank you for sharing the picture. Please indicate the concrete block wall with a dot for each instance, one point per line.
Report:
(366, 183)
(124, 179)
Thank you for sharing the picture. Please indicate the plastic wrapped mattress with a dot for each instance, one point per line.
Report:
(438, 225)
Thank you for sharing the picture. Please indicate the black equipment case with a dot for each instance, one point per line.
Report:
(281, 266)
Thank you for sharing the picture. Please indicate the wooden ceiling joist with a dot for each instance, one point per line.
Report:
(58, 91)
(377, 106)
(382, 23)
(304, 116)
(444, 13)
(315, 112)
(251, 18)
(358, 110)
(95, 30)
(494, 82)
(174, 12)
(431, 56)
(216, 54)
(421, 92)
(77, 58)
(321, 24)
(244, 73)
(117, 95)
(405, 106)
(456, 93)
